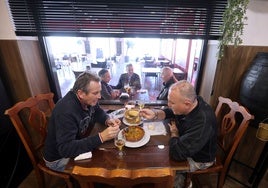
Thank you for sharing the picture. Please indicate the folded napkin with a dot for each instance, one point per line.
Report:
(82, 156)
(155, 128)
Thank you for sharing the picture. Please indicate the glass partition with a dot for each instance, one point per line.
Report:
(73, 55)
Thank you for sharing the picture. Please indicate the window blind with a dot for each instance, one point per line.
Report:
(125, 18)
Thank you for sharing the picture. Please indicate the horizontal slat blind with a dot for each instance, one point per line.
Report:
(144, 18)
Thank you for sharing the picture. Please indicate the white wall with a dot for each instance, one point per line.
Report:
(6, 26)
(255, 34)
(256, 28)
(210, 69)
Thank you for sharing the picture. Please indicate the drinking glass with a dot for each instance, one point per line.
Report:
(141, 104)
(127, 87)
(119, 142)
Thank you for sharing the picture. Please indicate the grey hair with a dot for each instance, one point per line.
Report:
(185, 88)
(102, 72)
(83, 80)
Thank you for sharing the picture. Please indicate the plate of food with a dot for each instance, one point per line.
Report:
(135, 136)
(118, 113)
(132, 117)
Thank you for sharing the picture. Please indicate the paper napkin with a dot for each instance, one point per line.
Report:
(82, 156)
(155, 128)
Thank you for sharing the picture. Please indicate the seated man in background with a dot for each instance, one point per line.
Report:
(72, 120)
(168, 79)
(107, 91)
(193, 128)
(130, 78)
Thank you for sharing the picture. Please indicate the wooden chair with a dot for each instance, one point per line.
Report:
(122, 178)
(30, 121)
(233, 121)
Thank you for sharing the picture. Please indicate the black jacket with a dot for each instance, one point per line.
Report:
(197, 134)
(164, 91)
(69, 127)
(134, 81)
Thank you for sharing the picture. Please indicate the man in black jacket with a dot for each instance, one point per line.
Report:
(130, 78)
(72, 120)
(193, 131)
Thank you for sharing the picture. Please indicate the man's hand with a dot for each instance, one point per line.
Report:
(109, 133)
(147, 113)
(173, 129)
(113, 122)
(115, 94)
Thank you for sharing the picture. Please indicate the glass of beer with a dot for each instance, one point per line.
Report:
(119, 142)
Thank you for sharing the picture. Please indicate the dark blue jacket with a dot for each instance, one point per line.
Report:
(124, 79)
(69, 128)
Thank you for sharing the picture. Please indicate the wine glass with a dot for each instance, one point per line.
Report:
(119, 142)
(127, 87)
(141, 104)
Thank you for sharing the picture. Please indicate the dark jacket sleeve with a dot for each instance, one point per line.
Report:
(67, 143)
(67, 131)
(120, 83)
(136, 81)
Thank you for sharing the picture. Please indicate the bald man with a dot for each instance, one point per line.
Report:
(193, 131)
(168, 79)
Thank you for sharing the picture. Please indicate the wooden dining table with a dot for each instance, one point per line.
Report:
(139, 95)
(153, 155)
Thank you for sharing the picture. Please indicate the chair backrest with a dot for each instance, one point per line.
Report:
(124, 178)
(30, 119)
(233, 121)
(77, 73)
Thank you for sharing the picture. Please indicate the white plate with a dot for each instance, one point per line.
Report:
(140, 143)
(130, 124)
(118, 113)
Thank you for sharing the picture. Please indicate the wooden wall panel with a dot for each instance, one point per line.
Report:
(230, 71)
(13, 71)
(22, 69)
(227, 81)
(33, 66)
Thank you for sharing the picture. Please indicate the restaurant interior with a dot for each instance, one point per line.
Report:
(47, 57)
